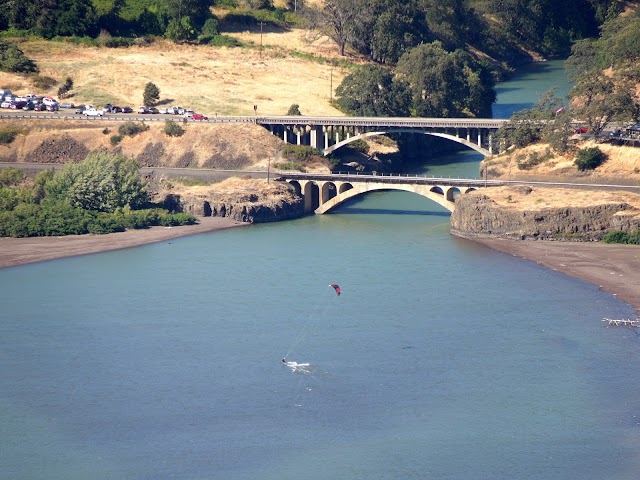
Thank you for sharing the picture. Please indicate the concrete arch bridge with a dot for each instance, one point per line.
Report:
(323, 192)
(330, 133)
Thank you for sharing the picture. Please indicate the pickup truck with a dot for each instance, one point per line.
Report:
(92, 112)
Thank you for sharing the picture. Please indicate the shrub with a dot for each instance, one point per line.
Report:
(589, 158)
(533, 159)
(221, 41)
(359, 146)
(132, 128)
(10, 177)
(42, 82)
(8, 134)
(64, 89)
(300, 152)
(173, 129)
(294, 109)
(616, 237)
(210, 27)
(115, 139)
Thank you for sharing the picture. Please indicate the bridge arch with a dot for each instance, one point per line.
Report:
(463, 141)
(321, 197)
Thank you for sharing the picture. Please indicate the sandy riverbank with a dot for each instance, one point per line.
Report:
(20, 251)
(615, 268)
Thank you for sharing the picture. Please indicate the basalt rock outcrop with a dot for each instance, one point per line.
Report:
(478, 215)
(243, 208)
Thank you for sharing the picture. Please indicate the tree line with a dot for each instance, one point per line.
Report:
(102, 194)
(380, 29)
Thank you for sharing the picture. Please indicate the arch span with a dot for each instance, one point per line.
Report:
(478, 148)
(438, 194)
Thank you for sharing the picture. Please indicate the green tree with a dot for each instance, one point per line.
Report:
(294, 109)
(180, 30)
(547, 119)
(589, 158)
(151, 94)
(103, 182)
(40, 184)
(372, 91)
(65, 88)
(446, 84)
(597, 100)
(12, 59)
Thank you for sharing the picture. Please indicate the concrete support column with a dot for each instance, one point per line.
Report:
(299, 139)
(479, 138)
(326, 139)
(316, 137)
(468, 135)
(285, 136)
(490, 143)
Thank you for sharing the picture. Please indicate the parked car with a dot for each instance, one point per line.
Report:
(17, 105)
(28, 106)
(67, 105)
(164, 111)
(580, 130)
(143, 110)
(39, 107)
(5, 104)
(116, 109)
(188, 113)
(80, 109)
(53, 107)
(49, 101)
(127, 110)
(199, 116)
(92, 112)
(154, 110)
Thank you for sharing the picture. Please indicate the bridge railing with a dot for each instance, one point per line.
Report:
(388, 178)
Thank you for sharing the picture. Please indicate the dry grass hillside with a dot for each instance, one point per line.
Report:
(621, 167)
(224, 146)
(540, 198)
(227, 81)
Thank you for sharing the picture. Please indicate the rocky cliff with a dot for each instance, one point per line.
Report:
(487, 215)
(249, 200)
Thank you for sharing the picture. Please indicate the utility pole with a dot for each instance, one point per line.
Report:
(261, 25)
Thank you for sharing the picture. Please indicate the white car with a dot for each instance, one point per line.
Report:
(188, 113)
(5, 104)
(49, 101)
(92, 112)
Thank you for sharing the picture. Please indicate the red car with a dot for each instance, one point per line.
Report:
(199, 116)
(580, 130)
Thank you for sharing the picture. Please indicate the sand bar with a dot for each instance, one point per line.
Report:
(614, 268)
(20, 251)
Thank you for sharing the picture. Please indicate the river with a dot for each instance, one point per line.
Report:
(440, 359)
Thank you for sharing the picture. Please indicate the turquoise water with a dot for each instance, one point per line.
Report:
(441, 359)
(528, 86)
